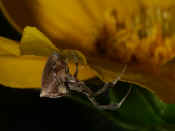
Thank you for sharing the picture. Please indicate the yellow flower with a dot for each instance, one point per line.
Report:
(109, 32)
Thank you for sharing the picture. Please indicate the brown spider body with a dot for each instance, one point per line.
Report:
(58, 82)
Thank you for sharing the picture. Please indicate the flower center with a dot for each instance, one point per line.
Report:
(145, 36)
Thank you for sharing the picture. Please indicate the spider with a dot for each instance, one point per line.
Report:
(57, 82)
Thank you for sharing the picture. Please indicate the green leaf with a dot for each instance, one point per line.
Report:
(142, 110)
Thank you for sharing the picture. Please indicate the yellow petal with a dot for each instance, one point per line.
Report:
(21, 71)
(9, 47)
(26, 71)
(34, 42)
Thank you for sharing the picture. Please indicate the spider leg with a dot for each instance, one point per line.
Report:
(110, 84)
(67, 69)
(76, 71)
(88, 92)
(115, 105)
(82, 88)
(109, 106)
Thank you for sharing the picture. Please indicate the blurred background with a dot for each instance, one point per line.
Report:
(23, 110)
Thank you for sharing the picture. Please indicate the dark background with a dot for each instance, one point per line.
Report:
(23, 110)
